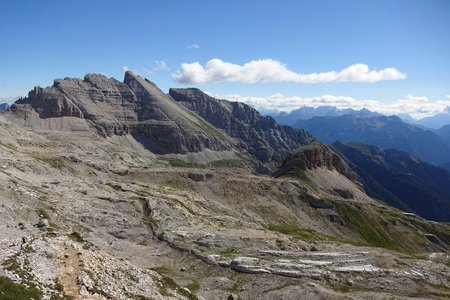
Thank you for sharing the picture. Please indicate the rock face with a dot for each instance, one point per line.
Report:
(261, 136)
(135, 106)
(400, 179)
(315, 155)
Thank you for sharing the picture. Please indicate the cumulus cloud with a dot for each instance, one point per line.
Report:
(417, 107)
(269, 70)
(193, 46)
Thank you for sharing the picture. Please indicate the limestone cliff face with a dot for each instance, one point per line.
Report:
(261, 136)
(135, 106)
(315, 155)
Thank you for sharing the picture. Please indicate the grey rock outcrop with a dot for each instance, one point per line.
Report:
(260, 135)
(135, 106)
(315, 155)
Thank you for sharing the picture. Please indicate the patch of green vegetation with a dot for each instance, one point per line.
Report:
(138, 297)
(238, 283)
(43, 213)
(298, 173)
(179, 184)
(27, 286)
(369, 229)
(169, 283)
(54, 162)
(61, 297)
(222, 163)
(427, 289)
(193, 286)
(302, 195)
(179, 163)
(277, 288)
(210, 130)
(229, 251)
(226, 163)
(59, 286)
(16, 291)
(162, 270)
(344, 289)
(76, 236)
(298, 232)
(13, 265)
(441, 229)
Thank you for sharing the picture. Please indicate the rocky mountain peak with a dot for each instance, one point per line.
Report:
(315, 155)
(134, 107)
(261, 136)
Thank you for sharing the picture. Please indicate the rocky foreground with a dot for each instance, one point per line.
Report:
(88, 215)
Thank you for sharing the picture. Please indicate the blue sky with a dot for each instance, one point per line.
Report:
(43, 40)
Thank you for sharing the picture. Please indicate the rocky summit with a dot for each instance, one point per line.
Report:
(134, 107)
(116, 190)
(315, 155)
(260, 135)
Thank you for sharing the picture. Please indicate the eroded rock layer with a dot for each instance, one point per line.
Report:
(260, 135)
(135, 106)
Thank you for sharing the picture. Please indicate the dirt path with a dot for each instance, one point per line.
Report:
(69, 269)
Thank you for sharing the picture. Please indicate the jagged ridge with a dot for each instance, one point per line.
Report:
(260, 135)
(135, 106)
(400, 179)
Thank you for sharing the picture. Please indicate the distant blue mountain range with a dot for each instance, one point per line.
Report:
(329, 124)
(306, 113)
(434, 122)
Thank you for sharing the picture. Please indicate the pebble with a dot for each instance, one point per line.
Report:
(42, 223)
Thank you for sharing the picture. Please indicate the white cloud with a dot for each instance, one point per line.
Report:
(269, 70)
(193, 46)
(416, 106)
(8, 99)
(158, 65)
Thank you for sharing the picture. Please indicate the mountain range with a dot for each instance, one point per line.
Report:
(137, 107)
(444, 133)
(434, 122)
(400, 179)
(290, 118)
(382, 131)
(305, 113)
(116, 190)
